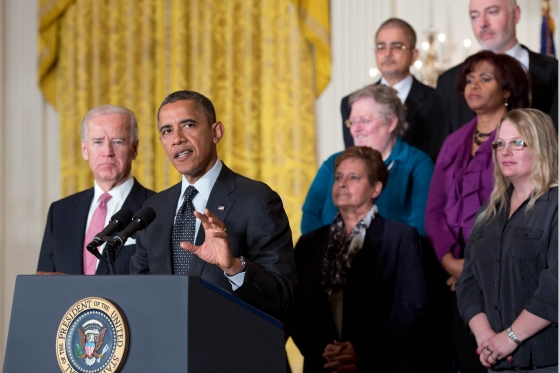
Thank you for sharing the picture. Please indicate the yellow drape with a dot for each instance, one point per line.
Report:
(261, 62)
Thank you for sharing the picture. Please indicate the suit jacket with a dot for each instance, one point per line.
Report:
(383, 296)
(419, 104)
(63, 240)
(452, 111)
(257, 228)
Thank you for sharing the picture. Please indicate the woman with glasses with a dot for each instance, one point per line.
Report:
(491, 84)
(508, 290)
(360, 289)
(377, 120)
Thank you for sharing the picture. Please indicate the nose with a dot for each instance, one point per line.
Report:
(483, 21)
(108, 150)
(387, 51)
(475, 84)
(178, 136)
(342, 182)
(506, 151)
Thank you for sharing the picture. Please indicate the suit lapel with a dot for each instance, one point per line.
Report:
(220, 204)
(77, 220)
(414, 100)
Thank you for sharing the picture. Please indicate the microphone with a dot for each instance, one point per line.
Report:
(117, 223)
(139, 221)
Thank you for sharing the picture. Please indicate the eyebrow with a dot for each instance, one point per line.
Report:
(183, 121)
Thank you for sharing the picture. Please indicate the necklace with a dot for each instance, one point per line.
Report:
(479, 138)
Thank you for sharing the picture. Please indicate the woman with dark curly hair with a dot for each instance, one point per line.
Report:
(491, 84)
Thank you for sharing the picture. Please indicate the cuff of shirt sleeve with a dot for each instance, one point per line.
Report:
(236, 280)
(470, 312)
(541, 309)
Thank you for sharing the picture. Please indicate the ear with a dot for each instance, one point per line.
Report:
(85, 151)
(377, 188)
(516, 14)
(507, 94)
(135, 150)
(217, 131)
(414, 56)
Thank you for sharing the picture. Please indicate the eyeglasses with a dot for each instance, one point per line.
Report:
(513, 145)
(362, 121)
(395, 47)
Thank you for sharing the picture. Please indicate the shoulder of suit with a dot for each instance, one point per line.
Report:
(395, 226)
(426, 88)
(314, 235)
(140, 187)
(244, 183)
(452, 73)
(157, 198)
(542, 60)
(74, 197)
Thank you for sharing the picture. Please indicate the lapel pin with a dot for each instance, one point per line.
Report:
(221, 207)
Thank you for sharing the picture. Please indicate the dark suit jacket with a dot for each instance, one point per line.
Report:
(452, 111)
(257, 228)
(383, 298)
(419, 104)
(63, 240)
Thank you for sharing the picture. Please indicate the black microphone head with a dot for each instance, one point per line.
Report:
(122, 218)
(144, 217)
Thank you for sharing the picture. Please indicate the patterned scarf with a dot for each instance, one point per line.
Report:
(341, 250)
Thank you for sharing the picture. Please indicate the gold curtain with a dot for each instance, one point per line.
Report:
(262, 63)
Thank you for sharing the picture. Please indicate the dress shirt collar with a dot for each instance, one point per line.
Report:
(520, 54)
(403, 87)
(118, 193)
(204, 185)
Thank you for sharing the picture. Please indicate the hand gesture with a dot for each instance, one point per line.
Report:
(215, 249)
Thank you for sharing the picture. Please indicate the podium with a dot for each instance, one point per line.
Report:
(175, 324)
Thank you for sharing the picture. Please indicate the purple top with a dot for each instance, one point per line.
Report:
(460, 185)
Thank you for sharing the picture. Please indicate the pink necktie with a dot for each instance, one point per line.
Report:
(96, 225)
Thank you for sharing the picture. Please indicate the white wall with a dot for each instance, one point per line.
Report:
(29, 174)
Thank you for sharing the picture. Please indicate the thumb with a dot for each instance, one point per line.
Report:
(189, 247)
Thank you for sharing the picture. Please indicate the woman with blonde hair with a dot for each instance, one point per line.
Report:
(508, 290)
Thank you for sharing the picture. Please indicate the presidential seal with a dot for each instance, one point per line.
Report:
(92, 337)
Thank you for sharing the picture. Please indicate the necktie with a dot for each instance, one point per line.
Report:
(183, 230)
(96, 225)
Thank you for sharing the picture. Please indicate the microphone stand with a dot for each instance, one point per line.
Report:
(93, 250)
(110, 253)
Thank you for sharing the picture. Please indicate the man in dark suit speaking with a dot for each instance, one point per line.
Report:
(493, 23)
(109, 145)
(241, 235)
(395, 52)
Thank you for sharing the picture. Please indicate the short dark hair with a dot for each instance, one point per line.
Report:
(409, 32)
(375, 168)
(508, 72)
(203, 103)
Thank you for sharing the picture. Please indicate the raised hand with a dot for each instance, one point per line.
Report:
(215, 249)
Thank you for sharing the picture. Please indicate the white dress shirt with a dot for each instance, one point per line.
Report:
(118, 196)
(520, 54)
(403, 87)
